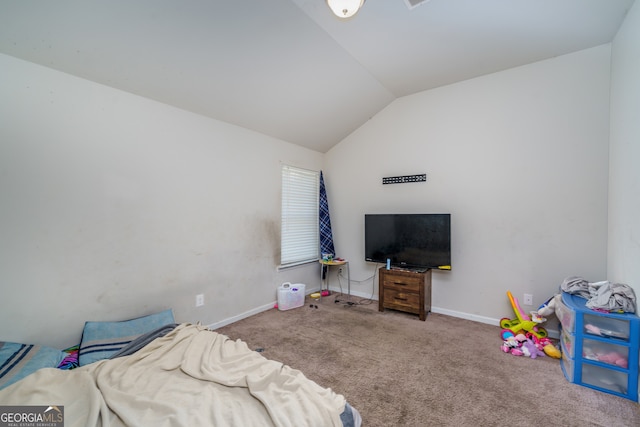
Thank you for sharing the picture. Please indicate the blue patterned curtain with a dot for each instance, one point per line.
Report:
(326, 237)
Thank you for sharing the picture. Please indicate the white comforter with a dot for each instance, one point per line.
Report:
(190, 377)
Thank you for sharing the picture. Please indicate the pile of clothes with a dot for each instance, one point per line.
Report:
(605, 296)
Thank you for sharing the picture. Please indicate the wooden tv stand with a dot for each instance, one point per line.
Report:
(405, 290)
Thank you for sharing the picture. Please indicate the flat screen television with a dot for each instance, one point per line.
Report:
(411, 241)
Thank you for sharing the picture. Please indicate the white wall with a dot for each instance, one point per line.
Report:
(520, 160)
(624, 155)
(114, 206)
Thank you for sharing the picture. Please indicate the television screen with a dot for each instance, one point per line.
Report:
(413, 241)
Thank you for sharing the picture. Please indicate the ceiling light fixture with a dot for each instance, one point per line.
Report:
(345, 9)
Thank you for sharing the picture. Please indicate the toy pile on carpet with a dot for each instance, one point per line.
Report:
(524, 336)
(528, 345)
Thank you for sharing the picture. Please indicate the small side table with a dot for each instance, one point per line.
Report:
(325, 279)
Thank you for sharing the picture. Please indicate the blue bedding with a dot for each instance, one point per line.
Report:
(19, 360)
(100, 340)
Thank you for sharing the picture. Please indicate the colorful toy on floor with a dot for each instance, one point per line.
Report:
(522, 322)
(521, 345)
(546, 346)
(528, 345)
(511, 345)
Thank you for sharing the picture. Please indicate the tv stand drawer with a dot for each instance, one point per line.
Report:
(408, 291)
(402, 282)
(397, 300)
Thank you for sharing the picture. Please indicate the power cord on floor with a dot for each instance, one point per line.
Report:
(361, 301)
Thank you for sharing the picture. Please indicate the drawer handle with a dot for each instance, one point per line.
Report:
(401, 299)
(400, 283)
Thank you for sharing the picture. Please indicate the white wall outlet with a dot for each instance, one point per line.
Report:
(340, 271)
(199, 300)
(528, 299)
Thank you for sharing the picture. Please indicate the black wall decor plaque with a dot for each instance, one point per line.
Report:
(404, 179)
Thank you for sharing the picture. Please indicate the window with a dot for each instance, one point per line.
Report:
(299, 232)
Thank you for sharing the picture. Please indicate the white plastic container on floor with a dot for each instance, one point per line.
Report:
(290, 296)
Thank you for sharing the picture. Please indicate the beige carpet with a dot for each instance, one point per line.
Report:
(399, 371)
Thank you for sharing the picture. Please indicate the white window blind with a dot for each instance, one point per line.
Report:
(299, 235)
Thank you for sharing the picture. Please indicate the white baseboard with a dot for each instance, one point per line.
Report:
(459, 314)
(241, 316)
(482, 319)
(252, 312)
(468, 316)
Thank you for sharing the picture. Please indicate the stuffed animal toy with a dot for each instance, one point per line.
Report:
(518, 342)
(549, 307)
(552, 351)
(530, 350)
(529, 345)
(510, 344)
(545, 345)
(513, 344)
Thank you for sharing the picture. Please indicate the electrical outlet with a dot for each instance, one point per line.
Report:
(528, 299)
(340, 271)
(199, 300)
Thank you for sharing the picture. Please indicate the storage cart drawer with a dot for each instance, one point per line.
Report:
(567, 365)
(606, 327)
(568, 344)
(608, 379)
(606, 352)
(567, 318)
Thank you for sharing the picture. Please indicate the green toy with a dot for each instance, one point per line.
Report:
(522, 321)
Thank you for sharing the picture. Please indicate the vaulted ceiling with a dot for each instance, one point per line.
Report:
(289, 68)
